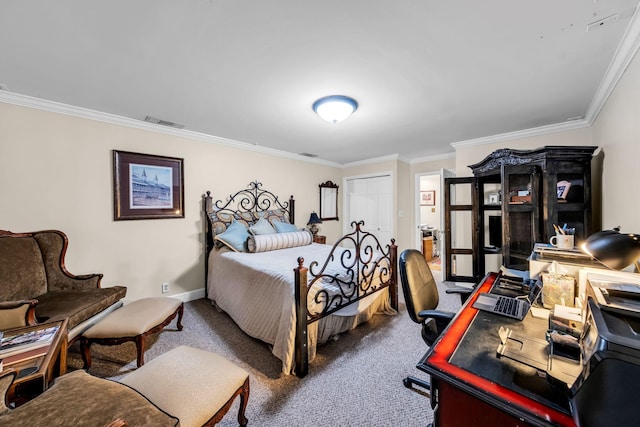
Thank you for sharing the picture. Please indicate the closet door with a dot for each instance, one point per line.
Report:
(461, 230)
(370, 200)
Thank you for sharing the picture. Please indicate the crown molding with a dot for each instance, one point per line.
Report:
(85, 113)
(391, 157)
(542, 130)
(623, 56)
(436, 157)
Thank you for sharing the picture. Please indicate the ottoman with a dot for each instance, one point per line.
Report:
(133, 322)
(196, 386)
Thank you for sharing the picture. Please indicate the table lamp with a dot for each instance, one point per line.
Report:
(314, 220)
(614, 249)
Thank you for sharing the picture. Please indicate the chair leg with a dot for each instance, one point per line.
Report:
(410, 381)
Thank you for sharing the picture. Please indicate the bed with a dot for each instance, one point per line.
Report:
(280, 287)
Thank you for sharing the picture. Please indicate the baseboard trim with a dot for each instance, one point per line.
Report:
(184, 297)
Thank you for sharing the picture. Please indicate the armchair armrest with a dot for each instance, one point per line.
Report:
(6, 379)
(14, 314)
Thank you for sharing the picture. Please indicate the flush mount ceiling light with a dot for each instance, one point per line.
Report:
(335, 108)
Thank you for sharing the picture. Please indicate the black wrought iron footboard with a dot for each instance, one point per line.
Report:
(366, 267)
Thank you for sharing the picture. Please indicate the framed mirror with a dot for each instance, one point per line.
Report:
(328, 201)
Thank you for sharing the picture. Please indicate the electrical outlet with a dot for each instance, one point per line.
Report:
(165, 288)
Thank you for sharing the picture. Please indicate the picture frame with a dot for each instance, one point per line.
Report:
(428, 198)
(494, 199)
(563, 189)
(147, 186)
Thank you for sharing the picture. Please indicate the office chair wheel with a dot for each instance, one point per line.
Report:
(406, 382)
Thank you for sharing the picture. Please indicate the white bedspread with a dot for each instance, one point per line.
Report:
(256, 290)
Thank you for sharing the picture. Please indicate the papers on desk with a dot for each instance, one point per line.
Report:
(537, 353)
(540, 312)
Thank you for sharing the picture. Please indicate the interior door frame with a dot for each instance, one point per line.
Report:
(443, 174)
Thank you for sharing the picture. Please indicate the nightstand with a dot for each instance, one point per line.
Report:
(320, 239)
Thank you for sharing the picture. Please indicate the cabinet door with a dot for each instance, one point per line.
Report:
(490, 223)
(521, 214)
(568, 186)
(460, 230)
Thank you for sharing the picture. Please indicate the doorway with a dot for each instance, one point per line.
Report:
(429, 218)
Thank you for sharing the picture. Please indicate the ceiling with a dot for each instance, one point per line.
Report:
(426, 74)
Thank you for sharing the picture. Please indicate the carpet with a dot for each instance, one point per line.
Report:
(355, 380)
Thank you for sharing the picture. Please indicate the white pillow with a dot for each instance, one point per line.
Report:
(271, 242)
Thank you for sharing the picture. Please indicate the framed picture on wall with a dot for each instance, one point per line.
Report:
(428, 198)
(146, 186)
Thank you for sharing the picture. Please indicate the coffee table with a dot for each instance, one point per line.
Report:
(35, 369)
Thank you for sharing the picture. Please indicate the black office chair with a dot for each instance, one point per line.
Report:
(421, 298)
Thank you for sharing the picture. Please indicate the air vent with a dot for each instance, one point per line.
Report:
(163, 122)
(308, 155)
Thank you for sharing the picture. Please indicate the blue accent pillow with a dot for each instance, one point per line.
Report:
(235, 237)
(284, 227)
(261, 227)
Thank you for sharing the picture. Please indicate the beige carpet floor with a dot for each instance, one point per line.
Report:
(354, 381)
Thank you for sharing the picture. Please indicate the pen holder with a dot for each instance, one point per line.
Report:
(562, 241)
(557, 289)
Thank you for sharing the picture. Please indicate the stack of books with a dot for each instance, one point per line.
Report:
(19, 345)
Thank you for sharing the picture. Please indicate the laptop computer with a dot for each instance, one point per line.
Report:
(515, 307)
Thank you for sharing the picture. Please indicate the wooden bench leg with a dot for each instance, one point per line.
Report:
(140, 349)
(85, 347)
(180, 313)
(244, 399)
(243, 392)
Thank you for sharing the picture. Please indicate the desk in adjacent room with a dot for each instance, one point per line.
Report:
(472, 386)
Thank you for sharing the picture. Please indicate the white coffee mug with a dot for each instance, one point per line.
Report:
(562, 241)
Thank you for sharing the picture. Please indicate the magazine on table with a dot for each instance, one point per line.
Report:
(16, 342)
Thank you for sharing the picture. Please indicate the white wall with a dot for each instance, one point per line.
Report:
(56, 173)
(617, 131)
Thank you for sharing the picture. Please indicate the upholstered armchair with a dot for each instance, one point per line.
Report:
(35, 286)
(78, 398)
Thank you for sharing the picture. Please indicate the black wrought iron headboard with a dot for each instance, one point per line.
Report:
(253, 199)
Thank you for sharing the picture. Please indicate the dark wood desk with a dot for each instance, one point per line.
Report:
(471, 386)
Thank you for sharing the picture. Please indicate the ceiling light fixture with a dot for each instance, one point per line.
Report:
(335, 108)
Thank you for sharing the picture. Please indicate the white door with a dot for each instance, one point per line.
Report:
(370, 199)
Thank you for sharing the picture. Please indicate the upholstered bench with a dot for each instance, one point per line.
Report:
(196, 386)
(133, 322)
(184, 386)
